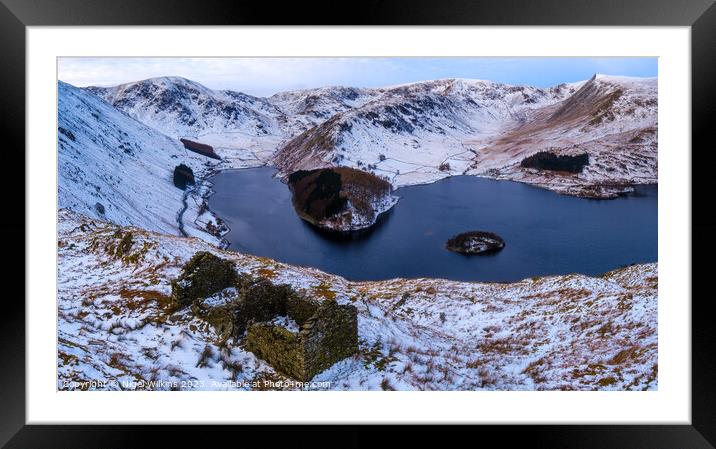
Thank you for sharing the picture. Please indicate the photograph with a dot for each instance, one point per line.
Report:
(357, 223)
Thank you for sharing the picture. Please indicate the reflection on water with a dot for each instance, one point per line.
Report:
(545, 233)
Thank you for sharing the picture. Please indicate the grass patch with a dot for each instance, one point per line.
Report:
(324, 291)
(267, 273)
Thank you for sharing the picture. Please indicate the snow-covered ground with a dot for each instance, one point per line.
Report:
(419, 132)
(116, 326)
(118, 148)
(426, 131)
(113, 167)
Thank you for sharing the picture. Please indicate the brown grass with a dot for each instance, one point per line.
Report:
(267, 273)
(626, 355)
(324, 291)
(385, 385)
(606, 381)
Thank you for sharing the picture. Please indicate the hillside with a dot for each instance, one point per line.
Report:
(412, 130)
(113, 167)
(558, 332)
(241, 127)
(613, 120)
(426, 131)
(126, 212)
(418, 132)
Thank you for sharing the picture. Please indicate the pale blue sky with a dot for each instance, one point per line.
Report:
(266, 76)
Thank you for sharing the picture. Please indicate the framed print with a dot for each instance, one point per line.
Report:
(376, 221)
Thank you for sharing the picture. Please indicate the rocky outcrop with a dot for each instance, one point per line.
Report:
(475, 242)
(340, 198)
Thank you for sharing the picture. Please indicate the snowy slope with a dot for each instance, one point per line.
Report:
(238, 125)
(179, 107)
(612, 119)
(242, 127)
(113, 167)
(569, 332)
(307, 108)
(418, 132)
(424, 131)
(117, 154)
(411, 130)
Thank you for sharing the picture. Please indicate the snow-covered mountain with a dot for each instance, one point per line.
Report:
(426, 131)
(418, 132)
(179, 107)
(240, 127)
(408, 134)
(411, 130)
(612, 119)
(307, 108)
(113, 167)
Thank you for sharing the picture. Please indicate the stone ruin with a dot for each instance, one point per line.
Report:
(327, 333)
(298, 336)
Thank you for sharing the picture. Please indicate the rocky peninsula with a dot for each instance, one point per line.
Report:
(340, 199)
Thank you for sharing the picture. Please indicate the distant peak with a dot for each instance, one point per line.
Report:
(164, 81)
(169, 78)
(621, 78)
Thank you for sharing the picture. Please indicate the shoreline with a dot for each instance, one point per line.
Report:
(201, 191)
(449, 321)
(203, 194)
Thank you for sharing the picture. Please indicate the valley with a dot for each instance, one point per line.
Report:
(408, 135)
(153, 171)
(420, 132)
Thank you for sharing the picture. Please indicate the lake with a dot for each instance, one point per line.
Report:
(545, 232)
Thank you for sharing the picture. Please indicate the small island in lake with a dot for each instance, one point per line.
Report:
(475, 242)
(340, 198)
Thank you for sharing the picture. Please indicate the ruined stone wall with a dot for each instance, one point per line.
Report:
(328, 331)
(261, 301)
(300, 309)
(326, 337)
(222, 318)
(280, 347)
(329, 336)
(204, 275)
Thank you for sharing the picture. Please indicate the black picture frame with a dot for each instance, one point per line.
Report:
(700, 15)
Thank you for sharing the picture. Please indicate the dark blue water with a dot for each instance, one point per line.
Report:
(545, 233)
